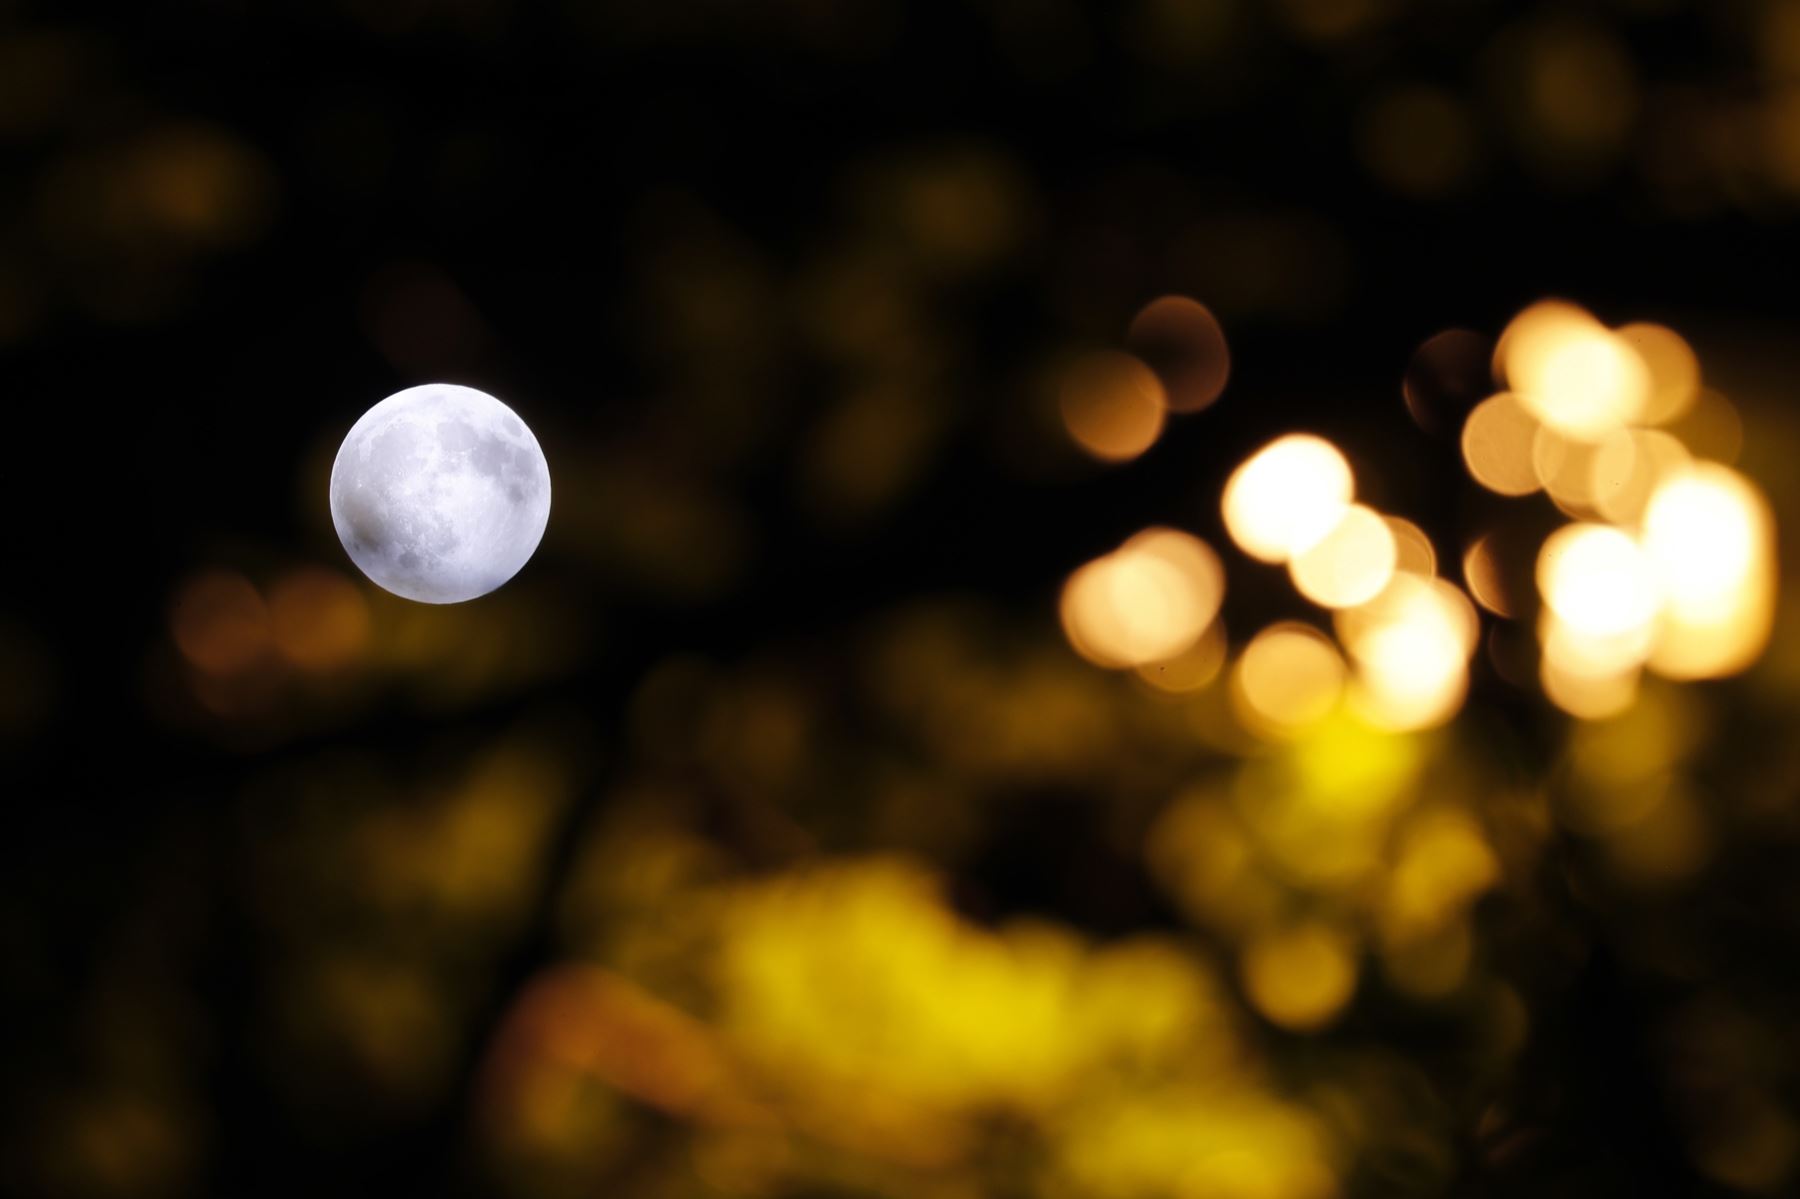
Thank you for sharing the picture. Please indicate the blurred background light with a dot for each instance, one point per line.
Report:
(1597, 581)
(1287, 497)
(319, 619)
(1413, 551)
(1446, 377)
(1673, 366)
(220, 623)
(1350, 564)
(1300, 977)
(1482, 573)
(1571, 372)
(1497, 441)
(1112, 405)
(1709, 540)
(1710, 428)
(1627, 467)
(1411, 645)
(1181, 341)
(1288, 677)
(1193, 668)
(1148, 601)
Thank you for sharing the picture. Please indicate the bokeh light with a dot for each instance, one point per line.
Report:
(220, 623)
(1673, 366)
(1497, 441)
(1588, 695)
(1300, 977)
(1194, 668)
(1571, 372)
(1565, 469)
(1112, 405)
(1485, 579)
(1349, 565)
(1448, 375)
(1413, 551)
(1287, 497)
(1710, 428)
(1708, 540)
(1597, 581)
(1626, 469)
(1411, 646)
(319, 619)
(1148, 601)
(1288, 678)
(1181, 341)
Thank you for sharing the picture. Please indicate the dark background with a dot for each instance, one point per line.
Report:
(675, 237)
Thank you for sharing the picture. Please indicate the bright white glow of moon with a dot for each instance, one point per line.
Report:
(440, 493)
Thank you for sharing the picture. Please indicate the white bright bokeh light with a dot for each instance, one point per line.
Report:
(1287, 496)
(1597, 580)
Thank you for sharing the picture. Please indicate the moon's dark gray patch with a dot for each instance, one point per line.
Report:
(491, 456)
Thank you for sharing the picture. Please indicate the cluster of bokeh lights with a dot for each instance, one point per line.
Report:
(1666, 563)
(1668, 560)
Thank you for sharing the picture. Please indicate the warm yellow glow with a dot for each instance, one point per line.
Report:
(1481, 570)
(1320, 806)
(1588, 696)
(1564, 467)
(1669, 843)
(1591, 654)
(1673, 366)
(1300, 977)
(1627, 467)
(1597, 581)
(1148, 601)
(1702, 530)
(1411, 646)
(1287, 497)
(1413, 551)
(1571, 372)
(1412, 598)
(1605, 809)
(1201, 851)
(220, 623)
(1444, 863)
(1193, 669)
(1711, 428)
(824, 972)
(1654, 740)
(1430, 966)
(1289, 677)
(1709, 537)
(1351, 564)
(1194, 1140)
(1496, 445)
(319, 618)
(1112, 405)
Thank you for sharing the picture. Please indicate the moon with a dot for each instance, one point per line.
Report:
(440, 493)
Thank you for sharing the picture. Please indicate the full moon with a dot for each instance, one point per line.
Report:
(440, 493)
